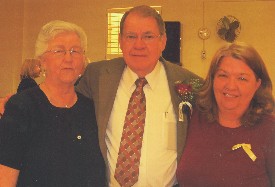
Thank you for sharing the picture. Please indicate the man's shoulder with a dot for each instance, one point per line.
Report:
(103, 63)
(179, 71)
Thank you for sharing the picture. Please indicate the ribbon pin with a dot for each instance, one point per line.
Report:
(181, 115)
(247, 149)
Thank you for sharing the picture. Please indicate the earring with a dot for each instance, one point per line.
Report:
(44, 72)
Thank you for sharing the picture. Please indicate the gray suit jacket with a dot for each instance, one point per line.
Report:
(100, 83)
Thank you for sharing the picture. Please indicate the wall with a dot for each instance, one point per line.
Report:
(20, 35)
(11, 32)
(257, 25)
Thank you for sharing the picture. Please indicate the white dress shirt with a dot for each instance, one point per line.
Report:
(158, 160)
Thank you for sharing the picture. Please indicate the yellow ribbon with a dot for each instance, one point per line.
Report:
(247, 149)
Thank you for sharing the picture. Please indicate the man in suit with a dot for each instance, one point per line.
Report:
(110, 84)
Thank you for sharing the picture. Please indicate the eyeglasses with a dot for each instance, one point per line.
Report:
(147, 38)
(75, 53)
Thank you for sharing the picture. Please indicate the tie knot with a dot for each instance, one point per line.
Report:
(140, 82)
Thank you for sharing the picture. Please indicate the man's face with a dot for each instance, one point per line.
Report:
(141, 43)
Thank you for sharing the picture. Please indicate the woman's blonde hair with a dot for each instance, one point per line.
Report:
(27, 68)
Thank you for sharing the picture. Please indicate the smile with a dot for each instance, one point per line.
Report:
(229, 95)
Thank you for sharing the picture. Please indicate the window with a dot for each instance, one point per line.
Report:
(114, 16)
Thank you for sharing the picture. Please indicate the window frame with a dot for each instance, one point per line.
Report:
(114, 16)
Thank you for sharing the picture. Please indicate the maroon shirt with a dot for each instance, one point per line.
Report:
(208, 158)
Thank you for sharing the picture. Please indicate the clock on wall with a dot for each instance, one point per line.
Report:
(204, 33)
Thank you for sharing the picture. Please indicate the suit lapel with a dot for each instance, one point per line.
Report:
(109, 79)
(172, 77)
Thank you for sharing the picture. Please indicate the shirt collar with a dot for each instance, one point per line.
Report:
(129, 77)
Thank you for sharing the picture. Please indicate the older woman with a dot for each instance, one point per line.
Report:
(231, 138)
(48, 134)
(30, 70)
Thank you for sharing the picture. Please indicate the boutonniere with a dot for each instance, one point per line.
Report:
(247, 149)
(187, 92)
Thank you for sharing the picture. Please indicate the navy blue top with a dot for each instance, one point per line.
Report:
(51, 146)
(26, 83)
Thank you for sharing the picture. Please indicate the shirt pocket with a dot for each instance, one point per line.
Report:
(170, 129)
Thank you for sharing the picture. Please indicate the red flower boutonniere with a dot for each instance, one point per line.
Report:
(187, 94)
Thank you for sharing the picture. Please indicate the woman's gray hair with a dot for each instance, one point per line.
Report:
(53, 28)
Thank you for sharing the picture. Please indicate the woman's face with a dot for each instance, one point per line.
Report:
(234, 85)
(64, 59)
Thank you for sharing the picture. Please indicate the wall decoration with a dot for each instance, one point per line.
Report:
(204, 34)
(228, 28)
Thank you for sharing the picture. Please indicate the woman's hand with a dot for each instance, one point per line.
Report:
(8, 176)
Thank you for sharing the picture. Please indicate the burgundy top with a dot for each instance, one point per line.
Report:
(208, 158)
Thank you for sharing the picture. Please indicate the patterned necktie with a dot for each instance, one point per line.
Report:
(127, 167)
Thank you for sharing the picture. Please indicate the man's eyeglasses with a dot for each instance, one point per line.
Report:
(75, 53)
(147, 38)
